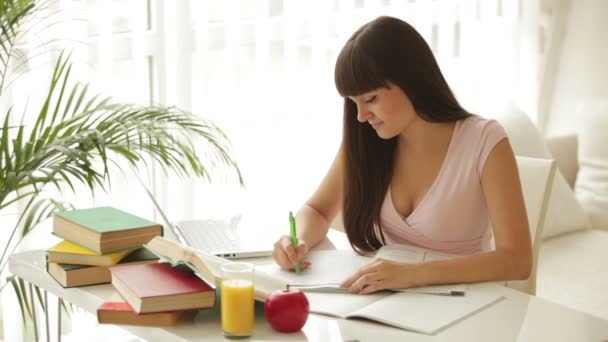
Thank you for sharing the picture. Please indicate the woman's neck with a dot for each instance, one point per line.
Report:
(423, 137)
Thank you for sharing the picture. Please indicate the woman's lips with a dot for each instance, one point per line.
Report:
(376, 125)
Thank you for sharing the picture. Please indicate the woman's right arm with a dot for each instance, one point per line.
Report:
(314, 218)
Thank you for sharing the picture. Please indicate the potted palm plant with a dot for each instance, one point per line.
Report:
(77, 138)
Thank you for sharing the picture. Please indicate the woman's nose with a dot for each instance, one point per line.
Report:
(362, 114)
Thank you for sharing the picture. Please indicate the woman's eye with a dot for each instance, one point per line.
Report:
(371, 99)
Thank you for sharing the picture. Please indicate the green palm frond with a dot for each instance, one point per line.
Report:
(19, 289)
(12, 16)
(24, 299)
(77, 138)
(74, 130)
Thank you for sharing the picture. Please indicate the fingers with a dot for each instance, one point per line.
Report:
(366, 283)
(301, 250)
(371, 288)
(349, 281)
(281, 254)
(287, 256)
(370, 268)
(379, 275)
(281, 258)
(288, 248)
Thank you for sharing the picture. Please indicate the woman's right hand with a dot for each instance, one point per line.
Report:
(287, 256)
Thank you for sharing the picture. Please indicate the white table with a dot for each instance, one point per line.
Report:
(518, 317)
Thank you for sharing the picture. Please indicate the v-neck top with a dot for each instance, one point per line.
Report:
(452, 216)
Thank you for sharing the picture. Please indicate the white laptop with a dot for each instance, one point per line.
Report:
(230, 238)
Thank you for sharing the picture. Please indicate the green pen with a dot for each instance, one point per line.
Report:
(294, 238)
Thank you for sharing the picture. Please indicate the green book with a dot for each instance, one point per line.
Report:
(104, 229)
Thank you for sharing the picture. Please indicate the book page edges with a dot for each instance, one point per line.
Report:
(178, 254)
(127, 294)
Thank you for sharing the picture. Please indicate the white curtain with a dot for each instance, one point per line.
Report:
(263, 71)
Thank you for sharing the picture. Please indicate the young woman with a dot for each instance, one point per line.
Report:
(414, 167)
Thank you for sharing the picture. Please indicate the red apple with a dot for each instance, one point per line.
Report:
(286, 310)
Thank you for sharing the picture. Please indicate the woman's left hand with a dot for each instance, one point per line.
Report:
(383, 274)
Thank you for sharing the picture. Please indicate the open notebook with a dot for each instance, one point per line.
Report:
(421, 309)
(331, 267)
(413, 311)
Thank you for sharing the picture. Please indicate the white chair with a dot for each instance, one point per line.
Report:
(536, 177)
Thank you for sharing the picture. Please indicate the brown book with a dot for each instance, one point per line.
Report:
(122, 313)
(161, 287)
(104, 229)
(81, 275)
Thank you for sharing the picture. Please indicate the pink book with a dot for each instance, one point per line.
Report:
(161, 287)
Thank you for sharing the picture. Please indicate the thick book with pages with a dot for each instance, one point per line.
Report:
(104, 229)
(80, 275)
(161, 287)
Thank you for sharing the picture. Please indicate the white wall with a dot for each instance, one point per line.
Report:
(581, 81)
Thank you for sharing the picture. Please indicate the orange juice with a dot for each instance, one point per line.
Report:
(237, 307)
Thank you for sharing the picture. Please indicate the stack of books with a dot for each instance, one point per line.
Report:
(166, 293)
(107, 245)
(94, 240)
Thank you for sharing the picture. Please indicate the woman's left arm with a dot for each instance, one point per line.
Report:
(511, 260)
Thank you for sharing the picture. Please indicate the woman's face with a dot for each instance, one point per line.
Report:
(388, 110)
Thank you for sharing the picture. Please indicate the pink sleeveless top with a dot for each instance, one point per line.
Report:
(453, 216)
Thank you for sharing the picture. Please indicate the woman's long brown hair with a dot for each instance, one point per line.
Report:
(384, 50)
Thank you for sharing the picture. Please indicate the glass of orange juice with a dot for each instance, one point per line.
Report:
(237, 299)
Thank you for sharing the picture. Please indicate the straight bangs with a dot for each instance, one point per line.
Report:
(356, 73)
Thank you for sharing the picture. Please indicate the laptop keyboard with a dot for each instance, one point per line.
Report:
(213, 235)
